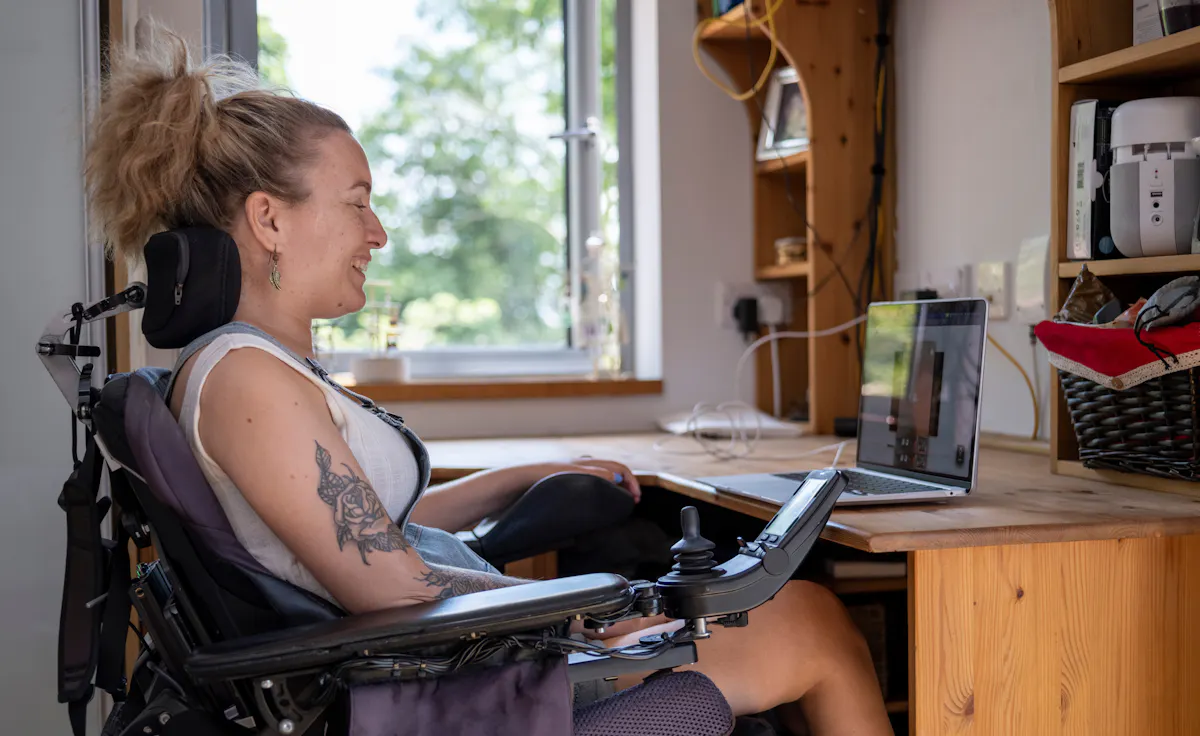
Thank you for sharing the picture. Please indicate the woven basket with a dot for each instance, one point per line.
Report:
(1150, 428)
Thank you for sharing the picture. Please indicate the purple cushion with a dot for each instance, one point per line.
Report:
(165, 461)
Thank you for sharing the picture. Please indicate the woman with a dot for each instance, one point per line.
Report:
(319, 490)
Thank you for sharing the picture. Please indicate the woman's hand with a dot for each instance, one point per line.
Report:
(609, 470)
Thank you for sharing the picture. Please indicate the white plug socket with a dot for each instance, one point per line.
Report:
(728, 294)
(992, 283)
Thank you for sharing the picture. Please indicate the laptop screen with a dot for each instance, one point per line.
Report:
(922, 373)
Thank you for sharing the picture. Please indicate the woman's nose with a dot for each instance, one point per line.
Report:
(378, 236)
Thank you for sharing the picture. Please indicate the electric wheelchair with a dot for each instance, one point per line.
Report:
(227, 649)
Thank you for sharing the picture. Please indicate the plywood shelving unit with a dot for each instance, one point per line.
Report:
(1094, 58)
(831, 44)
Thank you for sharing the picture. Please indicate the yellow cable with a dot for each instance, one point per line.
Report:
(1029, 383)
(767, 19)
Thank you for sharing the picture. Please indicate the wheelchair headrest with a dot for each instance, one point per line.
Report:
(193, 283)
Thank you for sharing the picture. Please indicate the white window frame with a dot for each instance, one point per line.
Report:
(230, 26)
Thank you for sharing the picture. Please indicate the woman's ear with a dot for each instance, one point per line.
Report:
(262, 212)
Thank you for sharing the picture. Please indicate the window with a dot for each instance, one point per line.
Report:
(492, 128)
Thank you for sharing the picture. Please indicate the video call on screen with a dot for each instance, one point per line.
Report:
(921, 387)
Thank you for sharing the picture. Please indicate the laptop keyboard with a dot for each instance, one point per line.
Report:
(867, 483)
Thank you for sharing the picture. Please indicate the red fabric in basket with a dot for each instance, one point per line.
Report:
(1113, 357)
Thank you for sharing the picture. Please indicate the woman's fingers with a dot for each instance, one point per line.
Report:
(617, 473)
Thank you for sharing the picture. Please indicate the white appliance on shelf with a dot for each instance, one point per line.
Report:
(1155, 176)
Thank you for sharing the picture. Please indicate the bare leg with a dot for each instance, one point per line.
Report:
(800, 646)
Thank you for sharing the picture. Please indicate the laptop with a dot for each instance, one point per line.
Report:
(918, 417)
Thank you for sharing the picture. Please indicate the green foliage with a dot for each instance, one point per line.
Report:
(272, 54)
(468, 184)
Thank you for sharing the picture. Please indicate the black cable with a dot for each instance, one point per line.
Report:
(866, 281)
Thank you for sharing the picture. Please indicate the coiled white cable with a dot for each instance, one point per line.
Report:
(743, 421)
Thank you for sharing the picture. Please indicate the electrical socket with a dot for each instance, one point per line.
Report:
(992, 283)
(727, 294)
(1029, 292)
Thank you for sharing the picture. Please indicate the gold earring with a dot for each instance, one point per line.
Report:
(275, 268)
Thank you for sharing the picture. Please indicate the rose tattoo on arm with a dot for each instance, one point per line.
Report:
(358, 515)
(360, 519)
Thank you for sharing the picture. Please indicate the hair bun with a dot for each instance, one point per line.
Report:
(174, 143)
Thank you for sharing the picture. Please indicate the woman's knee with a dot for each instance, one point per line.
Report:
(816, 620)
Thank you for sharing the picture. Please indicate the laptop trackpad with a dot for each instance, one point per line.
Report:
(764, 487)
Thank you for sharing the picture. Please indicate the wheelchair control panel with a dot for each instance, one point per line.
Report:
(697, 588)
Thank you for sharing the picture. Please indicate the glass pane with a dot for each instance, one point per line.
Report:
(454, 102)
(608, 355)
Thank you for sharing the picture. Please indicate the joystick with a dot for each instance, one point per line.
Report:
(693, 553)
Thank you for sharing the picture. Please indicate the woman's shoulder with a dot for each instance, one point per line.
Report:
(225, 364)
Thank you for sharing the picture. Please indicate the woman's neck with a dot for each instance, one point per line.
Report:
(294, 332)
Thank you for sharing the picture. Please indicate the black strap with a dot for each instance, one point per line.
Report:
(114, 628)
(77, 711)
(83, 582)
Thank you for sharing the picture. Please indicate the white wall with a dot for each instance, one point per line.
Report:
(41, 235)
(705, 237)
(973, 159)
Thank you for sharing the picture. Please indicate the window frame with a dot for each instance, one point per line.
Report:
(231, 27)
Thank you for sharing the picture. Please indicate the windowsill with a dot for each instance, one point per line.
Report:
(475, 389)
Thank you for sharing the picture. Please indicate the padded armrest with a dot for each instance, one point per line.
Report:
(517, 609)
(552, 513)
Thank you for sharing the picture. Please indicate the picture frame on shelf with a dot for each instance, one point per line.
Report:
(784, 130)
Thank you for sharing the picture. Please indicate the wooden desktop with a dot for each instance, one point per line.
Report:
(1039, 604)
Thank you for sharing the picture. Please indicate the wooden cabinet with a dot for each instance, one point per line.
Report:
(822, 193)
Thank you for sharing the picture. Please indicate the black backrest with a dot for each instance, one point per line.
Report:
(230, 592)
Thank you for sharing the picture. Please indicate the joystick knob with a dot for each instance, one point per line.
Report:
(693, 553)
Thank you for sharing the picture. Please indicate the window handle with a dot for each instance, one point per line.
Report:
(591, 129)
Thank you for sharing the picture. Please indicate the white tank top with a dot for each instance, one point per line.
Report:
(385, 457)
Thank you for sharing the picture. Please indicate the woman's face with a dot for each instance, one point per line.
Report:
(326, 240)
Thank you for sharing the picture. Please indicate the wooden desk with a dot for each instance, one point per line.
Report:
(1040, 604)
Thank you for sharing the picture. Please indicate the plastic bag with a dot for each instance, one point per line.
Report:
(1088, 295)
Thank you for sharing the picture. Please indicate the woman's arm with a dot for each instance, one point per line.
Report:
(462, 503)
(269, 429)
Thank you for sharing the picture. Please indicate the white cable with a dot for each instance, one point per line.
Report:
(838, 456)
(737, 373)
(1037, 384)
(776, 390)
(741, 441)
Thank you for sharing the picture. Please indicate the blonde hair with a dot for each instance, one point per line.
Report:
(175, 144)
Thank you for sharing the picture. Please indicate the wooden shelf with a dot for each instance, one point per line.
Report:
(793, 164)
(1130, 266)
(897, 706)
(790, 271)
(1076, 469)
(732, 26)
(824, 42)
(1172, 55)
(850, 586)
(548, 387)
